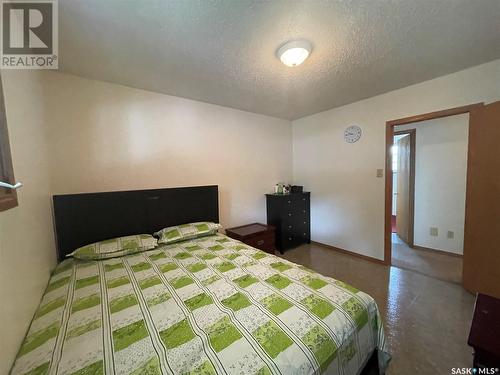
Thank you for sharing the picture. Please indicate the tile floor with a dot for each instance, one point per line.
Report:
(430, 263)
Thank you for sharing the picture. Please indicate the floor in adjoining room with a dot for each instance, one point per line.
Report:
(436, 264)
(426, 320)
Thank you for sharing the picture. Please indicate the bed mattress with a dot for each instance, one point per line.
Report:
(211, 305)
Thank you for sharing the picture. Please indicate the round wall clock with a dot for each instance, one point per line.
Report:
(352, 134)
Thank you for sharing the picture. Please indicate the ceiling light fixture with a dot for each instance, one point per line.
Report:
(295, 52)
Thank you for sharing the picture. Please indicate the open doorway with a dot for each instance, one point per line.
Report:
(425, 193)
(403, 186)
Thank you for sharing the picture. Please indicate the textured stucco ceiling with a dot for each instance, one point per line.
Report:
(223, 52)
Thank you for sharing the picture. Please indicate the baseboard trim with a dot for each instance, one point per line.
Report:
(347, 252)
(437, 251)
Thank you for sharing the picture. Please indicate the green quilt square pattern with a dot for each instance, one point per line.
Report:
(319, 306)
(323, 347)
(198, 301)
(272, 338)
(276, 304)
(356, 311)
(222, 334)
(236, 302)
(177, 334)
(126, 336)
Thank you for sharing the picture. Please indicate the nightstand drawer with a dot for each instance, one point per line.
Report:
(264, 242)
(256, 235)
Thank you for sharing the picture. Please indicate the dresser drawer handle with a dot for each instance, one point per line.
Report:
(303, 199)
(289, 227)
(305, 234)
(261, 242)
(289, 214)
(305, 222)
(304, 211)
(289, 202)
(289, 238)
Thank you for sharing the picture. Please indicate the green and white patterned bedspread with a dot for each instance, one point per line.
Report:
(204, 306)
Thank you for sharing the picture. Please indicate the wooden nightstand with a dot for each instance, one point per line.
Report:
(257, 235)
(485, 331)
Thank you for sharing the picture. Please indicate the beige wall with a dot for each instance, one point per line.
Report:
(110, 137)
(70, 135)
(440, 178)
(347, 201)
(26, 238)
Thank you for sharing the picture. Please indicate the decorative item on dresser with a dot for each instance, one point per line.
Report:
(257, 235)
(485, 331)
(290, 214)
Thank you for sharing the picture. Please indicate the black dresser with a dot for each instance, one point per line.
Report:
(290, 214)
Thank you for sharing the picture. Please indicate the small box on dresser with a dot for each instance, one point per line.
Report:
(291, 215)
(256, 235)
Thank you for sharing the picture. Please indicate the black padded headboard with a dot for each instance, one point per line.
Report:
(80, 219)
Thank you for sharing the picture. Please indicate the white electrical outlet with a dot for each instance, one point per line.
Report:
(433, 231)
(450, 235)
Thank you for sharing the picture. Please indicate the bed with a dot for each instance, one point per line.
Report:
(209, 305)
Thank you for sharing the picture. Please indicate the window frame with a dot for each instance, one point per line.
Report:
(8, 197)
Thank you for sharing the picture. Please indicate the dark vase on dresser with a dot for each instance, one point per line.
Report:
(290, 214)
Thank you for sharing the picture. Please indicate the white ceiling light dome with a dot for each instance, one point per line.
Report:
(295, 52)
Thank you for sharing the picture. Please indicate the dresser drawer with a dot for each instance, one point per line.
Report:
(288, 227)
(296, 217)
(290, 240)
(298, 230)
(296, 224)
